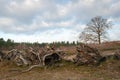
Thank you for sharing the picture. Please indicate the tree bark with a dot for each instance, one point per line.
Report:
(99, 38)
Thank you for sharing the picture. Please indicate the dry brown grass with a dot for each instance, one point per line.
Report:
(109, 70)
(112, 45)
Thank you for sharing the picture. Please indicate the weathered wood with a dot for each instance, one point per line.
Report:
(51, 58)
(1, 56)
(87, 55)
(31, 67)
(17, 57)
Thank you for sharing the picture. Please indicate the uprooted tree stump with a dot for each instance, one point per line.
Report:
(51, 59)
(17, 57)
(87, 55)
(48, 59)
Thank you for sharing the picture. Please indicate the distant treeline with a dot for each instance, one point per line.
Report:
(7, 43)
(10, 43)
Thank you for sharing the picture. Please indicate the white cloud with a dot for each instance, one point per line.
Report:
(6, 21)
(25, 7)
(47, 36)
(23, 17)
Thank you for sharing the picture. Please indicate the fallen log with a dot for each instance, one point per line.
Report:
(115, 56)
(87, 55)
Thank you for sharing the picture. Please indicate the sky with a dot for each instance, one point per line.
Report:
(54, 20)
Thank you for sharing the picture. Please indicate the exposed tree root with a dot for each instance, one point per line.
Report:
(31, 67)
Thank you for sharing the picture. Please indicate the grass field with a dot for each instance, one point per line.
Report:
(109, 70)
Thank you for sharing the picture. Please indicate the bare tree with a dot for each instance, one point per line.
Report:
(86, 37)
(95, 30)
